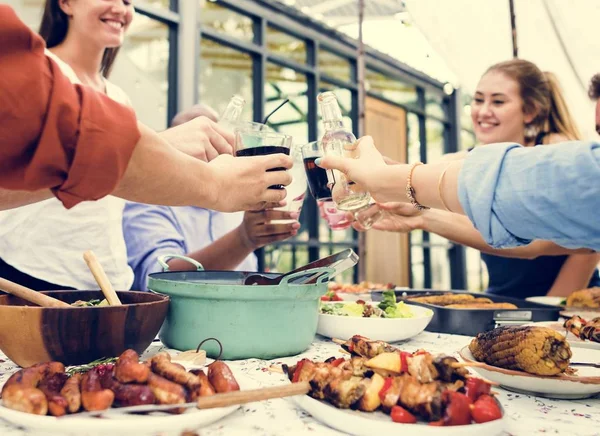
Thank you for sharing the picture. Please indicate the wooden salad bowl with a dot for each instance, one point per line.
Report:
(76, 335)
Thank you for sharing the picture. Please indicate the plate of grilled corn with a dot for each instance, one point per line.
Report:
(535, 360)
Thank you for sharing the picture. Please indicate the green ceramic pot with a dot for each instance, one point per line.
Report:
(262, 322)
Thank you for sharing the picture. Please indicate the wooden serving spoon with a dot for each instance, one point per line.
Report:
(101, 278)
(30, 295)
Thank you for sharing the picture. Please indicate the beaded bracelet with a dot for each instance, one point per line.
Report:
(410, 191)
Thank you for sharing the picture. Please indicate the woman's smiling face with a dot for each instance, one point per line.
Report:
(102, 21)
(497, 110)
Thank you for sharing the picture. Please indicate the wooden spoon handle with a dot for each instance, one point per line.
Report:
(101, 278)
(30, 295)
(243, 397)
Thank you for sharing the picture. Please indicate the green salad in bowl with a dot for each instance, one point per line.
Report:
(387, 308)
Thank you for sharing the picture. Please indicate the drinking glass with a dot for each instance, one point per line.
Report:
(296, 191)
(347, 195)
(250, 142)
(318, 185)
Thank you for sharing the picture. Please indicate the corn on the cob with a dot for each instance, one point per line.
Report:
(536, 350)
(585, 298)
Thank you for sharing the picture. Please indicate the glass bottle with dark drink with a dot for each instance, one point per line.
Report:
(338, 141)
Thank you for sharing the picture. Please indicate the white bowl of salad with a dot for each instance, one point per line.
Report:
(388, 320)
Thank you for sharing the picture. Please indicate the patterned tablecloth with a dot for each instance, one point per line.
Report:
(527, 415)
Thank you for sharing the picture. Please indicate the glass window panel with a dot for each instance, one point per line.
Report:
(334, 65)
(141, 69)
(476, 271)
(224, 72)
(223, 20)
(435, 104)
(414, 144)
(286, 45)
(465, 115)
(158, 4)
(392, 89)
(416, 259)
(435, 140)
(440, 264)
(291, 118)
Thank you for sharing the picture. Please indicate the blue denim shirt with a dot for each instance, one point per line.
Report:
(514, 194)
(154, 231)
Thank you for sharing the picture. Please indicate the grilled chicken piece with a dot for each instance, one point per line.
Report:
(536, 350)
(444, 300)
(585, 298)
(482, 306)
(424, 399)
(361, 346)
(446, 370)
(591, 331)
(422, 368)
(343, 393)
(586, 330)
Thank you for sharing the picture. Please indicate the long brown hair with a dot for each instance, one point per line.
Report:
(53, 29)
(542, 96)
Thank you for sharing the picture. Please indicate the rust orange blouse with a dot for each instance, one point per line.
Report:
(54, 134)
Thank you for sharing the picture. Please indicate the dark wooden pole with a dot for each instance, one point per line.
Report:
(513, 27)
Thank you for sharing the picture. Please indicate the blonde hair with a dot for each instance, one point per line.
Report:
(542, 96)
(559, 118)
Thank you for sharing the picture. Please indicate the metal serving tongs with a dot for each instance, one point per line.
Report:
(340, 262)
(210, 402)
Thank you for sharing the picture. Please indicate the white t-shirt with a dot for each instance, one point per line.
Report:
(47, 241)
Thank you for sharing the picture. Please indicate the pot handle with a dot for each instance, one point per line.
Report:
(323, 274)
(162, 260)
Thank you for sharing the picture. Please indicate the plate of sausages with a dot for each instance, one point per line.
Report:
(46, 397)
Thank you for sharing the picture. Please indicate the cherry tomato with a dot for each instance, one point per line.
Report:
(485, 409)
(401, 415)
(458, 408)
(476, 387)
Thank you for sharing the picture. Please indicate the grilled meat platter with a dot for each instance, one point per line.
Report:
(408, 386)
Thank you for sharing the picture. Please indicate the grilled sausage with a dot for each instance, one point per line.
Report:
(132, 394)
(206, 389)
(128, 369)
(93, 397)
(165, 391)
(72, 393)
(51, 386)
(221, 377)
(162, 366)
(20, 391)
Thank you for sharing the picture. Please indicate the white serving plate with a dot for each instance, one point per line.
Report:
(550, 301)
(378, 423)
(127, 425)
(383, 329)
(585, 384)
(573, 340)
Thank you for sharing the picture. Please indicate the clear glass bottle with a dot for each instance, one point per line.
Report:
(339, 141)
(232, 115)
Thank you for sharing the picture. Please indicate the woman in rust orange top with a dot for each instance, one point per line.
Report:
(44, 117)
